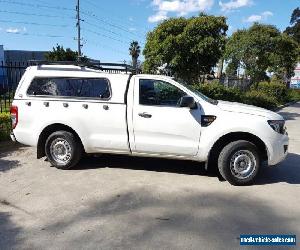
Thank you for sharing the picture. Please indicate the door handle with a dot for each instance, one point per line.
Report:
(145, 115)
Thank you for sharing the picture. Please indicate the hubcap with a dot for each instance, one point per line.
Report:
(243, 164)
(61, 151)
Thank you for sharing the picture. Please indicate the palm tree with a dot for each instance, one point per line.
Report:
(134, 51)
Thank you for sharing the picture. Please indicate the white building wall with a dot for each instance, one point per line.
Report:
(295, 81)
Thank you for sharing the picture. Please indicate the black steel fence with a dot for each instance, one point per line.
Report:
(10, 75)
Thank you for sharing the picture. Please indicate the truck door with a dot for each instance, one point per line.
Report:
(160, 126)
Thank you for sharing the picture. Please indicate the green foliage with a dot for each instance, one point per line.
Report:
(275, 89)
(5, 103)
(293, 95)
(267, 95)
(252, 48)
(5, 126)
(284, 58)
(261, 48)
(134, 51)
(232, 67)
(218, 91)
(295, 16)
(188, 47)
(60, 54)
(294, 29)
(260, 99)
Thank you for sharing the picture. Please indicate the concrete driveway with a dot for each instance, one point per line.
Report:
(133, 203)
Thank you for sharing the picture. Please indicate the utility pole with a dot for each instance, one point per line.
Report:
(78, 29)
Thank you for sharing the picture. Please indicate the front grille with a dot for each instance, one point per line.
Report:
(285, 147)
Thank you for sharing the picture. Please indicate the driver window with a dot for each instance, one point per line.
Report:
(156, 92)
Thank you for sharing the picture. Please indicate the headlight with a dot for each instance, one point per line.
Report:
(278, 126)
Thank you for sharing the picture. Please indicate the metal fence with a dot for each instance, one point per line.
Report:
(241, 83)
(10, 75)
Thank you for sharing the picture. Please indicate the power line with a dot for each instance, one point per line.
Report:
(59, 36)
(36, 5)
(66, 17)
(35, 34)
(33, 14)
(115, 16)
(107, 30)
(109, 20)
(62, 8)
(101, 27)
(39, 24)
(107, 47)
(78, 11)
(103, 35)
(41, 1)
(109, 24)
(106, 22)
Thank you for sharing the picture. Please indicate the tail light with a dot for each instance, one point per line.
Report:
(14, 116)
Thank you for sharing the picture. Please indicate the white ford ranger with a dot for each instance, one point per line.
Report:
(66, 110)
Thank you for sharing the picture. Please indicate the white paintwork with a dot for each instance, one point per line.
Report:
(171, 132)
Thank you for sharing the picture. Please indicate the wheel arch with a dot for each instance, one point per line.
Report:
(234, 136)
(48, 131)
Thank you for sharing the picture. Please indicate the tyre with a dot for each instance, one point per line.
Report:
(63, 149)
(239, 162)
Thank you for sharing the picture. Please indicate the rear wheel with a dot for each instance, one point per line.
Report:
(239, 162)
(63, 149)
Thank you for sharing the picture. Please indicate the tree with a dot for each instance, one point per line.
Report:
(232, 68)
(294, 29)
(284, 58)
(252, 49)
(134, 51)
(60, 54)
(188, 47)
(262, 48)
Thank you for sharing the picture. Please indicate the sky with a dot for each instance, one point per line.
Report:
(108, 27)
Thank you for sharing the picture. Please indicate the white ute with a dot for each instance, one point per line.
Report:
(66, 110)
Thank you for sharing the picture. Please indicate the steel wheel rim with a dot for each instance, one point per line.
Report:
(243, 164)
(61, 150)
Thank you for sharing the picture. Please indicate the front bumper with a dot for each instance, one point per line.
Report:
(278, 151)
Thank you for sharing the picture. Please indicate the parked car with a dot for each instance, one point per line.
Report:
(66, 110)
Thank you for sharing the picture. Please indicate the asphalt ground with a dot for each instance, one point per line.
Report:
(120, 202)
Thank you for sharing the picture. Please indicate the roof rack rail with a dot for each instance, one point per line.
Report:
(93, 64)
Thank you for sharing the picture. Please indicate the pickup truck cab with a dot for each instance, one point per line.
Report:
(66, 110)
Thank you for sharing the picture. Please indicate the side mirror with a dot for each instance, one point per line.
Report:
(188, 102)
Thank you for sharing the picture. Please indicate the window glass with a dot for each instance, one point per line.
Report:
(70, 87)
(155, 92)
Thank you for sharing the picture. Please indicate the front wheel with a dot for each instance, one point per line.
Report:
(239, 162)
(63, 149)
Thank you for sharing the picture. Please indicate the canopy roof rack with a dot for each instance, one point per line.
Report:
(92, 64)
